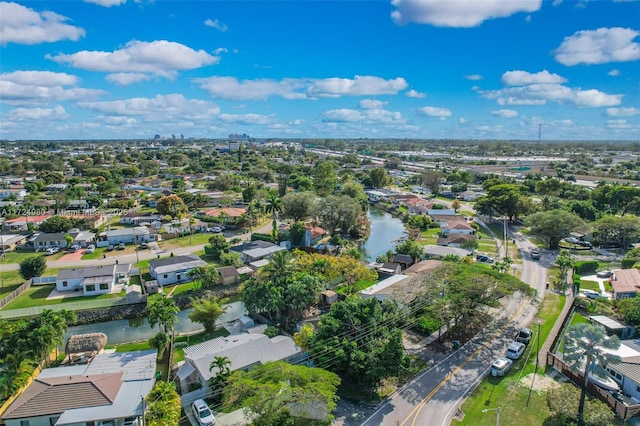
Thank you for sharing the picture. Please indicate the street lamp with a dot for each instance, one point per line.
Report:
(538, 322)
(494, 409)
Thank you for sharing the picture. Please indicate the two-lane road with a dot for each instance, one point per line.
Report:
(433, 397)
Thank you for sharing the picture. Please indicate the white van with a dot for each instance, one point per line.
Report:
(501, 366)
(515, 350)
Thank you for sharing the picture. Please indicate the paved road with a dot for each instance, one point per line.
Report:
(133, 257)
(434, 397)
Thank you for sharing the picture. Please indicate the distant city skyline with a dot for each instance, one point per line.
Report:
(420, 69)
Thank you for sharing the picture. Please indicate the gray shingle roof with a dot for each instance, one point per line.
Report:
(88, 272)
(176, 263)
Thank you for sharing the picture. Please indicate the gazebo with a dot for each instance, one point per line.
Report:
(83, 347)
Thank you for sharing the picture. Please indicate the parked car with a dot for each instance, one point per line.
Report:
(515, 350)
(90, 249)
(144, 246)
(535, 253)
(74, 248)
(121, 246)
(215, 229)
(484, 258)
(524, 335)
(592, 294)
(202, 413)
(52, 250)
(109, 248)
(604, 274)
(501, 366)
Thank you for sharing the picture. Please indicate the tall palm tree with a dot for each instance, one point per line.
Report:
(585, 351)
(274, 205)
(565, 262)
(280, 265)
(223, 364)
(164, 312)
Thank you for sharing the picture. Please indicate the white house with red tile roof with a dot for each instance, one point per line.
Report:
(625, 283)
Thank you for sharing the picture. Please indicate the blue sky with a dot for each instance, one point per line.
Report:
(443, 69)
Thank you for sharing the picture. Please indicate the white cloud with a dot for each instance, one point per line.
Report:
(220, 50)
(473, 77)
(292, 88)
(22, 25)
(47, 114)
(537, 89)
(614, 73)
(34, 87)
(622, 112)
(490, 129)
(372, 104)
(106, 3)
(505, 113)
(246, 118)
(520, 78)
(599, 47)
(618, 124)
(415, 94)
(216, 24)
(159, 57)
(159, 108)
(462, 120)
(435, 111)
(459, 13)
(377, 116)
(127, 78)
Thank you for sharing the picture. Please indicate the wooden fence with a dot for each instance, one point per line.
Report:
(625, 411)
(15, 293)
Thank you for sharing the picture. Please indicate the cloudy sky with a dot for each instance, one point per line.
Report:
(480, 69)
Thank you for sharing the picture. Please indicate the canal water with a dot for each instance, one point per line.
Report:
(138, 329)
(385, 232)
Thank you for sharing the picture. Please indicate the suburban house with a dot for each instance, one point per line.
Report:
(8, 242)
(470, 195)
(45, 240)
(403, 259)
(256, 250)
(312, 234)
(139, 218)
(20, 193)
(402, 288)
(82, 238)
(458, 228)
(108, 391)
(228, 275)
(174, 270)
(92, 279)
(226, 213)
(455, 240)
(627, 372)
(135, 235)
(243, 351)
(625, 283)
(438, 252)
(22, 223)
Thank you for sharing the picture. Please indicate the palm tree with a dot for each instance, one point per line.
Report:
(585, 351)
(192, 222)
(274, 205)
(223, 364)
(280, 265)
(565, 262)
(164, 312)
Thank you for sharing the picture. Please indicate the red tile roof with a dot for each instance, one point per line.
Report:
(626, 281)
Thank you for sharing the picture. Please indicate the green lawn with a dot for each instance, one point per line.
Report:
(195, 239)
(10, 281)
(36, 296)
(589, 285)
(97, 254)
(506, 392)
(19, 256)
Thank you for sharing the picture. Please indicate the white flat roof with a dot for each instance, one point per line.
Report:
(388, 282)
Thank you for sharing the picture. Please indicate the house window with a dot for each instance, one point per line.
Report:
(165, 276)
(65, 283)
(104, 286)
(24, 422)
(91, 287)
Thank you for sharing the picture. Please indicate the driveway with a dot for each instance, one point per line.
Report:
(75, 257)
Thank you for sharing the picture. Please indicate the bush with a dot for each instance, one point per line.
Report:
(261, 237)
(586, 266)
(425, 324)
(271, 331)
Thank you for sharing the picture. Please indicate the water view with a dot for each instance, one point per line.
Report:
(386, 230)
(138, 329)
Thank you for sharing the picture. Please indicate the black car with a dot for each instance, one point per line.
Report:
(524, 335)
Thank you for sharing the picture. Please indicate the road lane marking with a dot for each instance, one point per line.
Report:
(416, 411)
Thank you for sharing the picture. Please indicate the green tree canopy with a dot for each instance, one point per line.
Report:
(618, 230)
(298, 205)
(163, 405)
(379, 177)
(164, 312)
(554, 225)
(324, 178)
(208, 276)
(171, 205)
(56, 224)
(207, 310)
(278, 393)
(360, 340)
(33, 266)
(337, 212)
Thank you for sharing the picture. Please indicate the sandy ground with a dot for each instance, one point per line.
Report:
(543, 382)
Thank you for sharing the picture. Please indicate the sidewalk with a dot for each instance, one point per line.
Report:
(546, 346)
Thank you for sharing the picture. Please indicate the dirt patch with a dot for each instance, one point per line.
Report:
(540, 383)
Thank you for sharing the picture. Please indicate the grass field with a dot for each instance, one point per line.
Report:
(36, 296)
(508, 392)
(589, 285)
(19, 256)
(10, 281)
(195, 239)
(97, 254)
